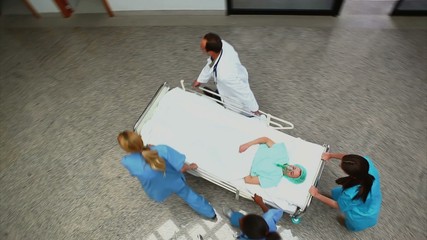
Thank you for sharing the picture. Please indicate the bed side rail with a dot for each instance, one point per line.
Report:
(149, 109)
(205, 175)
(237, 193)
(272, 121)
(300, 211)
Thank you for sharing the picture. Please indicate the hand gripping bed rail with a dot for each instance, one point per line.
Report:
(272, 121)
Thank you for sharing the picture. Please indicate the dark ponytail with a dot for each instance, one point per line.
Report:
(255, 227)
(273, 236)
(357, 168)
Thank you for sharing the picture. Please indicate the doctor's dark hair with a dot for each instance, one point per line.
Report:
(255, 227)
(357, 167)
(213, 42)
(132, 142)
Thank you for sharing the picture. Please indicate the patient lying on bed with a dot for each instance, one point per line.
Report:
(271, 163)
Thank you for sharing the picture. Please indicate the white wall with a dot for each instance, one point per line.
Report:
(44, 6)
(138, 5)
(13, 7)
(48, 6)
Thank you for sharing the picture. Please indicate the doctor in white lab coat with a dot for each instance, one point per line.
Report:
(230, 76)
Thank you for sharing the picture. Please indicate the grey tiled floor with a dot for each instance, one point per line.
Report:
(67, 87)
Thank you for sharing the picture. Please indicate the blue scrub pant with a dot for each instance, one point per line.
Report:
(196, 202)
(235, 219)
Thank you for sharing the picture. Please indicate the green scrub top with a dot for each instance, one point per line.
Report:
(264, 164)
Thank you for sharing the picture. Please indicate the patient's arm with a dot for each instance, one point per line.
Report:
(251, 180)
(260, 140)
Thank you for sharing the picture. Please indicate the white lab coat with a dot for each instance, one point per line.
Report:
(231, 79)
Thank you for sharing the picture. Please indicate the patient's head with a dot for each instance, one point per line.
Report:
(292, 171)
(295, 173)
(130, 141)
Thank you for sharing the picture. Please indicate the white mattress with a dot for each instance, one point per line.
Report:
(210, 136)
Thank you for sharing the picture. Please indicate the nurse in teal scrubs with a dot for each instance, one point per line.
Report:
(160, 170)
(359, 196)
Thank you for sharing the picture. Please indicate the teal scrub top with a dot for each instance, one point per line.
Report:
(264, 164)
(158, 185)
(360, 215)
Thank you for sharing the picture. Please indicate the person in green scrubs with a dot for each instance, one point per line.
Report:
(271, 163)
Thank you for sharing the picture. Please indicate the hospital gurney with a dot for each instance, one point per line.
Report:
(210, 135)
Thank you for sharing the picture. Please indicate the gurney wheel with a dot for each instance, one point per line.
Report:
(295, 220)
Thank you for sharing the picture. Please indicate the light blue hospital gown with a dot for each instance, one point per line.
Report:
(158, 185)
(360, 215)
(264, 164)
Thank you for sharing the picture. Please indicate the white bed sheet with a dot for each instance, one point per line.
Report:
(210, 136)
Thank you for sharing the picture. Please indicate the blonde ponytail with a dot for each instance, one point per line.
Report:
(153, 159)
(132, 142)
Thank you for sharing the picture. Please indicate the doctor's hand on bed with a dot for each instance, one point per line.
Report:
(195, 83)
(191, 166)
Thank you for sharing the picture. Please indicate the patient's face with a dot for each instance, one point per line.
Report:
(292, 172)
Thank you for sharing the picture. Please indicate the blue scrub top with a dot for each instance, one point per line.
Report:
(360, 215)
(157, 184)
(272, 216)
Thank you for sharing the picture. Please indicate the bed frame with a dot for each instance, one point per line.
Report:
(270, 120)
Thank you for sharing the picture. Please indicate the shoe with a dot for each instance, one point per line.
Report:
(212, 219)
(341, 220)
(227, 212)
